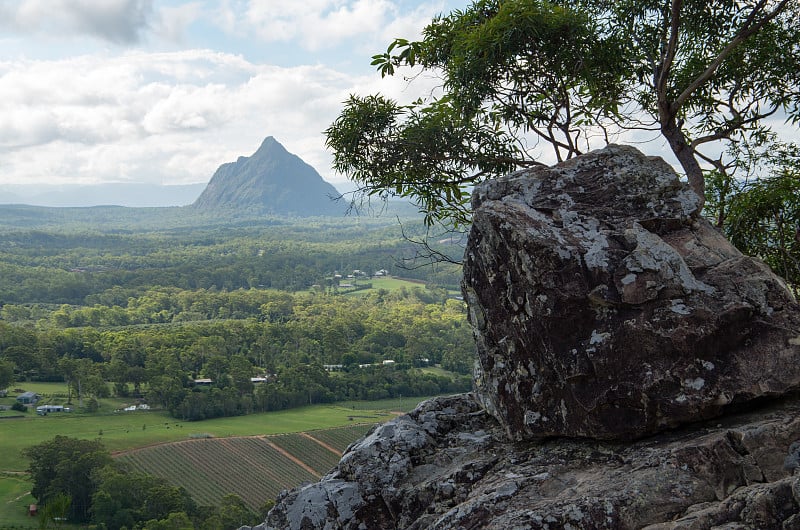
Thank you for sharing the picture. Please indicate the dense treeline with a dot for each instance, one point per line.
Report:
(74, 275)
(157, 345)
(144, 310)
(71, 263)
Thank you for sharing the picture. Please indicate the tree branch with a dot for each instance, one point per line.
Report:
(731, 128)
(746, 31)
(668, 54)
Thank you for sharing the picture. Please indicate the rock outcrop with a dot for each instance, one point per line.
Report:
(605, 307)
(449, 464)
(635, 371)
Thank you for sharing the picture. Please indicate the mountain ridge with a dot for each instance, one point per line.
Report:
(272, 180)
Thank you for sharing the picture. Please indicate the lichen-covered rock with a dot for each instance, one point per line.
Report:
(449, 465)
(605, 307)
(364, 489)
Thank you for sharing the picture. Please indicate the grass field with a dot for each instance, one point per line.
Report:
(125, 431)
(15, 499)
(122, 431)
(388, 283)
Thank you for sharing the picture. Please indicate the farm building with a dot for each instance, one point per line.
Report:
(43, 410)
(28, 398)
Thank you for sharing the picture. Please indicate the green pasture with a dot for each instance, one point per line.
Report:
(15, 500)
(127, 430)
(437, 370)
(388, 283)
(122, 431)
(392, 284)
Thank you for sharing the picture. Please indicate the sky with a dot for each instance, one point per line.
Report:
(165, 91)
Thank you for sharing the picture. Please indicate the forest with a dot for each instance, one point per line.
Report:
(207, 317)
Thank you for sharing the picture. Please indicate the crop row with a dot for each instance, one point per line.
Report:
(341, 437)
(210, 469)
(251, 467)
(312, 453)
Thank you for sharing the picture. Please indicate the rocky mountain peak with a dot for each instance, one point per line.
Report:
(272, 181)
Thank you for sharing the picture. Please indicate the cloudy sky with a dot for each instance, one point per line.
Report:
(164, 91)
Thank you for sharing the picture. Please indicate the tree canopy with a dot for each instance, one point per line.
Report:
(705, 75)
(762, 216)
(65, 466)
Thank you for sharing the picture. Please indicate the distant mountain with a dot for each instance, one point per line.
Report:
(9, 197)
(272, 181)
(117, 194)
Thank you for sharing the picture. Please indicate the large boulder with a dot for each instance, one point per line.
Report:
(449, 465)
(604, 306)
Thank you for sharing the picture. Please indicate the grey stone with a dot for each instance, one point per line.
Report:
(698, 477)
(604, 306)
(635, 371)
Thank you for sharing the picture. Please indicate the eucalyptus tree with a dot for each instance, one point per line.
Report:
(705, 75)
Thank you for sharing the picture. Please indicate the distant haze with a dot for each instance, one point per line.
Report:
(117, 194)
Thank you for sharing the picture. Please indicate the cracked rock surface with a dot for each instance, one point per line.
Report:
(604, 306)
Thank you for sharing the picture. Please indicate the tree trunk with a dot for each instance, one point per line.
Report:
(685, 156)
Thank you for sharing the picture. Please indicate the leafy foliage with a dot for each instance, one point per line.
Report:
(67, 466)
(6, 374)
(77, 479)
(75, 265)
(699, 73)
(764, 218)
(249, 333)
(126, 499)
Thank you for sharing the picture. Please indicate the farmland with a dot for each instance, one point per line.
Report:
(137, 312)
(123, 431)
(184, 452)
(256, 468)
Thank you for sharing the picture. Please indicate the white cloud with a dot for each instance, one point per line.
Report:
(116, 21)
(174, 117)
(315, 23)
(20, 127)
(322, 24)
(409, 25)
(164, 117)
(172, 23)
